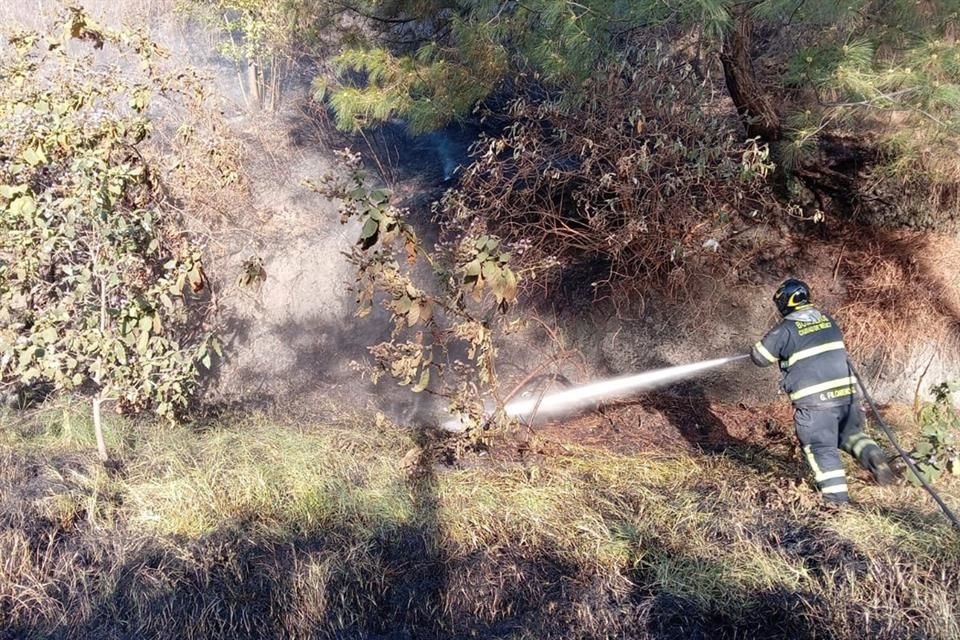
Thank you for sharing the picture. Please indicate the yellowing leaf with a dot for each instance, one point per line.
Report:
(9, 191)
(49, 335)
(413, 315)
(402, 305)
(34, 156)
(511, 285)
(196, 277)
(423, 382)
(23, 206)
(426, 311)
(497, 285)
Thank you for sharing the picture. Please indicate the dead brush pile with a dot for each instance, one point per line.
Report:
(253, 529)
(636, 179)
(902, 289)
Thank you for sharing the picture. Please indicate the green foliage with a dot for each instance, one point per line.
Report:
(938, 449)
(476, 45)
(95, 277)
(428, 89)
(432, 316)
(487, 266)
(888, 70)
(874, 68)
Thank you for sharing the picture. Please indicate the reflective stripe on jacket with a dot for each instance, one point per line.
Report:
(808, 346)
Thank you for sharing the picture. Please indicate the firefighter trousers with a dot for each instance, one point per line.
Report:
(823, 431)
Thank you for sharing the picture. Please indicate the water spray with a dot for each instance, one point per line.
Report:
(566, 401)
(578, 397)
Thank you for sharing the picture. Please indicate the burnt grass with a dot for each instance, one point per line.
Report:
(75, 562)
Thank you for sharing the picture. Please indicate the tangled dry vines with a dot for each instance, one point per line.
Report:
(635, 180)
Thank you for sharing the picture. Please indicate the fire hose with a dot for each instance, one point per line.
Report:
(903, 454)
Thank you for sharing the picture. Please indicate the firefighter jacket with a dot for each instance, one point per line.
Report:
(808, 346)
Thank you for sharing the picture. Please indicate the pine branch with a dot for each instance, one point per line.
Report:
(370, 16)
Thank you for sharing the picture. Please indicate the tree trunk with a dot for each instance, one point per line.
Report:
(98, 430)
(243, 91)
(753, 104)
(98, 399)
(276, 71)
(253, 82)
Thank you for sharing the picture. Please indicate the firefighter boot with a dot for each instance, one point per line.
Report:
(876, 464)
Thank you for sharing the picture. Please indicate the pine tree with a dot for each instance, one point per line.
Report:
(878, 79)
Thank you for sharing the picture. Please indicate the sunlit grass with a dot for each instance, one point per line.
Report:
(329, 514)
(276, 477)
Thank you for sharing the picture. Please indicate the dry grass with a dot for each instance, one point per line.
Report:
(252, 529)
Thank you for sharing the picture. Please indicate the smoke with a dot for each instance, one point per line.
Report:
(38, 14)
(295, 336)
(448, 155)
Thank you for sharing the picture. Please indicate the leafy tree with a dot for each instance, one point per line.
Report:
(95, 276)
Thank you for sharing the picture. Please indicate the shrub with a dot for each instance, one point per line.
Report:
(444, 300)
(637, 179)
(95, 273)
(938, 450)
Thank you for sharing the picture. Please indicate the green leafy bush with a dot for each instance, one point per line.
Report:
(95, 274)
(938, 450)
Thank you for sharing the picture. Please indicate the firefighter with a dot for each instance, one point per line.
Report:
(808, 346)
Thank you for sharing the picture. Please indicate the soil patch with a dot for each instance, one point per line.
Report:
(675, 423)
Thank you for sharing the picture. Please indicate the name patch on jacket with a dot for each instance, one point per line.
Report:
(805, 328)
(838, 393)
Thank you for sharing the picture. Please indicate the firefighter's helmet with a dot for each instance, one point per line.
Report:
(793, 294)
